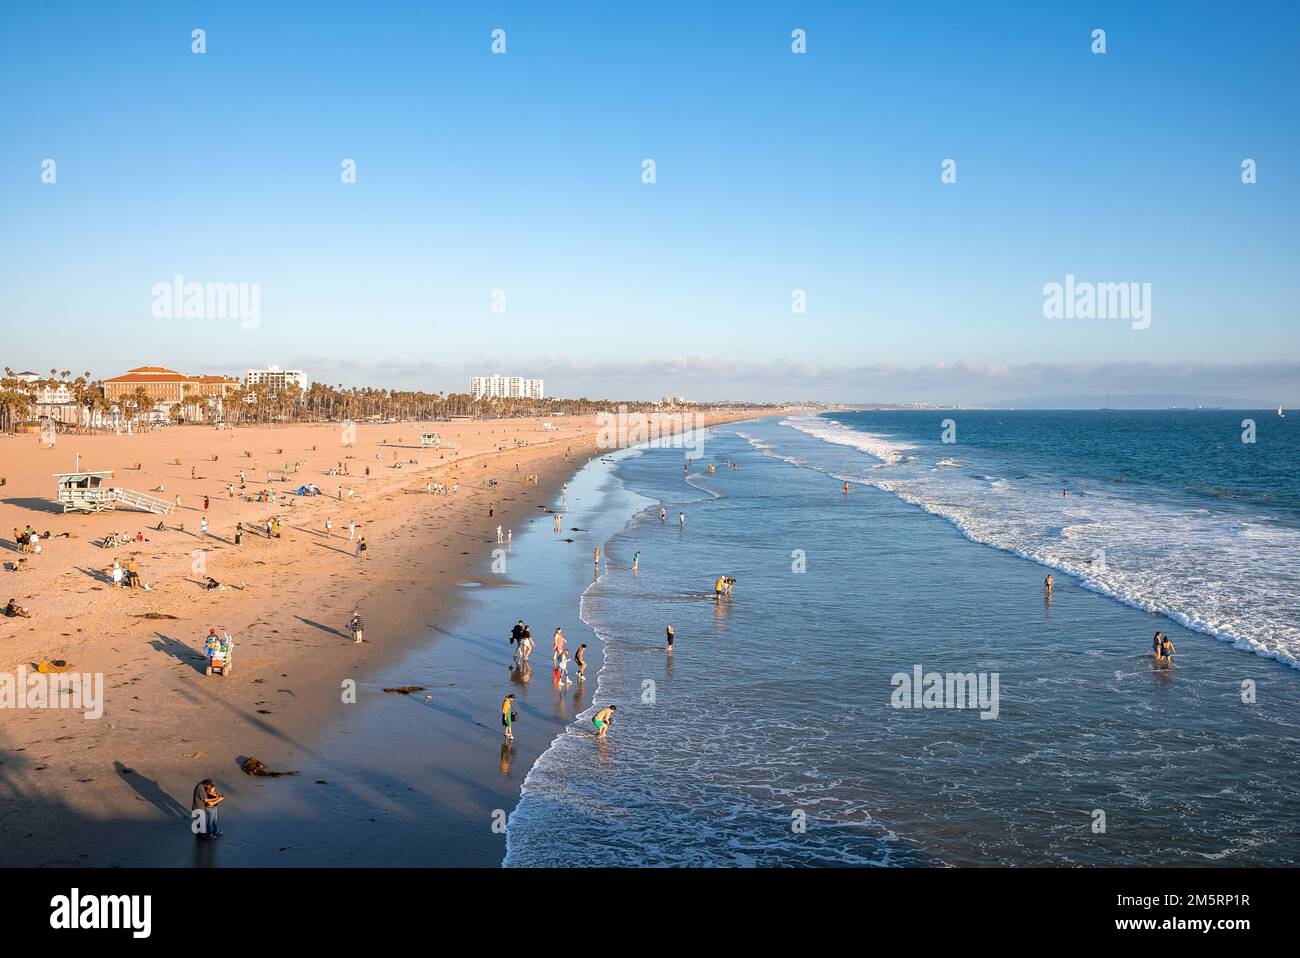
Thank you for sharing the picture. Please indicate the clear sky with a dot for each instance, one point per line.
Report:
(775, 171)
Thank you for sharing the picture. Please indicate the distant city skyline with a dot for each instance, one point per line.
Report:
(799, 238)
(702, 379)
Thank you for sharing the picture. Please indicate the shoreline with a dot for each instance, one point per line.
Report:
(134, 768)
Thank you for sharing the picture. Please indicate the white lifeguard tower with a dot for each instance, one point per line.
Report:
(87, 492)
(430, 440)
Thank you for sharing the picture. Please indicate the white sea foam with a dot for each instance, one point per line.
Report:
(1233, 577)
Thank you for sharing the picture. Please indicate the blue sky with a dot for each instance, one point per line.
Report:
(775, 171)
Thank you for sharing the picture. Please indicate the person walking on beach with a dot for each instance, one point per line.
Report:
(205, 503)
(117, 574)
(239, 533)
(671, 635)
(356, 626)
(361, 547)
(329, 528)
(203, 528)
(500, 538)
(132, 573)
(352, 531)
(508, 715)
(558, 647)
(526, 646)
(602, 719)
(580, 660)
(517, 640)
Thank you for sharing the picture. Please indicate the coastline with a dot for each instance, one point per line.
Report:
(737, 722)
(94, 793)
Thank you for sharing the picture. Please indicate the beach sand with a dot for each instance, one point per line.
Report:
(93, 792)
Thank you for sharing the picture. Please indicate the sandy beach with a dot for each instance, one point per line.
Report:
(80, 791)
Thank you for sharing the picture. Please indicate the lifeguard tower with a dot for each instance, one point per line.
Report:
(87, 492)
(430, 440)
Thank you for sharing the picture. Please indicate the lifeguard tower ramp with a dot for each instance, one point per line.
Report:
(430, 440)
(87, 492)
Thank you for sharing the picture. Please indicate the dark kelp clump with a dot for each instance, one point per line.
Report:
(253, 766)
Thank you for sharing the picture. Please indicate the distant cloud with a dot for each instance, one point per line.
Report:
(711, 378)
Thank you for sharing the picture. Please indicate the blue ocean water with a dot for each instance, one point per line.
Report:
(771, 735)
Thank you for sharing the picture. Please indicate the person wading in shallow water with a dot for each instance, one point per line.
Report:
(508, 715)
(602, 719)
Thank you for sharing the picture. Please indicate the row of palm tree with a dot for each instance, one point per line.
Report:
(262, 403)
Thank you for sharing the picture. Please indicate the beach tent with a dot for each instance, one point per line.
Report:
(308, 489)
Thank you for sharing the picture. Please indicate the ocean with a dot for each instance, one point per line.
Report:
(773, 734)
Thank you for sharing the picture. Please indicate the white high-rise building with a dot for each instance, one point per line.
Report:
(504, 387)
(275, 377)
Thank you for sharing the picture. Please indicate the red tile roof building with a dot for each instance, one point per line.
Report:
(167, 386)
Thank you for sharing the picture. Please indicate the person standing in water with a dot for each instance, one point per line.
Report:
(580, 659)
(1047, 586)
(636, 559)
(671, 635)
(663, 514)
(719, 587)
(596, 559)
(508, 715)
(681, 520)
(557, 647)
(602, 719)
(846, 488)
